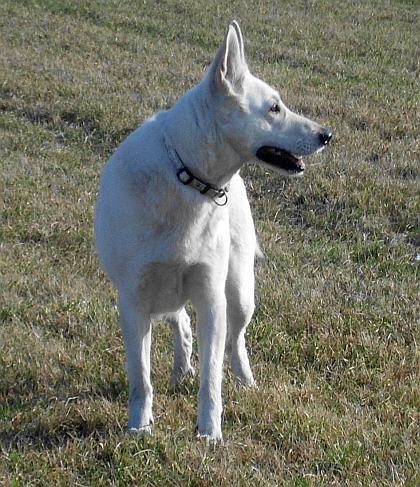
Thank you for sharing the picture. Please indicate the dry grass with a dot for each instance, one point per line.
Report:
(334, 339)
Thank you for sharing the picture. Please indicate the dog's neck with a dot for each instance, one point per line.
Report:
(191, 130)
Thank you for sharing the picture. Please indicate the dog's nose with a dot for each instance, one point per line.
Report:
(325, 137)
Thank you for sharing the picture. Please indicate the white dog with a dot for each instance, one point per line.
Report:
(173, 224)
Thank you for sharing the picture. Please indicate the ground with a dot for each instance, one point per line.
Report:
(334, 338)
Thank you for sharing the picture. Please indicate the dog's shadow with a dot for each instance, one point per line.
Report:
(48, 422)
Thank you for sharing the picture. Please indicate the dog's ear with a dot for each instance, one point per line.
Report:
(235, 25)
(229, 65)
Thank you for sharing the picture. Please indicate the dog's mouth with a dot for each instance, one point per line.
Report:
(280, 158)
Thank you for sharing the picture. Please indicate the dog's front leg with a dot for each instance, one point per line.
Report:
(136, 329)
(211, 311)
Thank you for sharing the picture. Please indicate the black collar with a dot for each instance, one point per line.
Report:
(218, 195)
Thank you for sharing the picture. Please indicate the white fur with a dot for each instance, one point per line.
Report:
(163, 243)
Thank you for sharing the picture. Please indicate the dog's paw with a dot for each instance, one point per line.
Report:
(180, 375)
(142, 431)
(212, 438)
(245, 383)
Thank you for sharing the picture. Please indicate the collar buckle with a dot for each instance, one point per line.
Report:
(187, 178)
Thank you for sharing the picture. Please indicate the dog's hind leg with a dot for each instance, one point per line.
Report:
(136, 329)
(182, 339)
(240, 282)
(240, 307)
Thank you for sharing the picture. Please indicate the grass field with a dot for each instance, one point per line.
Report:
(334, 340)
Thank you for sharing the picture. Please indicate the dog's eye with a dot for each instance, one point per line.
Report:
(275, 108)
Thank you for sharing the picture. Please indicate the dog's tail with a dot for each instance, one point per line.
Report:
(258, 252)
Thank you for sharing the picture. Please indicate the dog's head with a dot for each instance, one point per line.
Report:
(252, 116)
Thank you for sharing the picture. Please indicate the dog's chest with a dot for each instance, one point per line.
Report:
(191, 235)
(190, 248)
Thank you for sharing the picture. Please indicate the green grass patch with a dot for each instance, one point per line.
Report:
(334, 338)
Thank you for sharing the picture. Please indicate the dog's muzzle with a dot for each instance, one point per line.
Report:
(280, 158)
